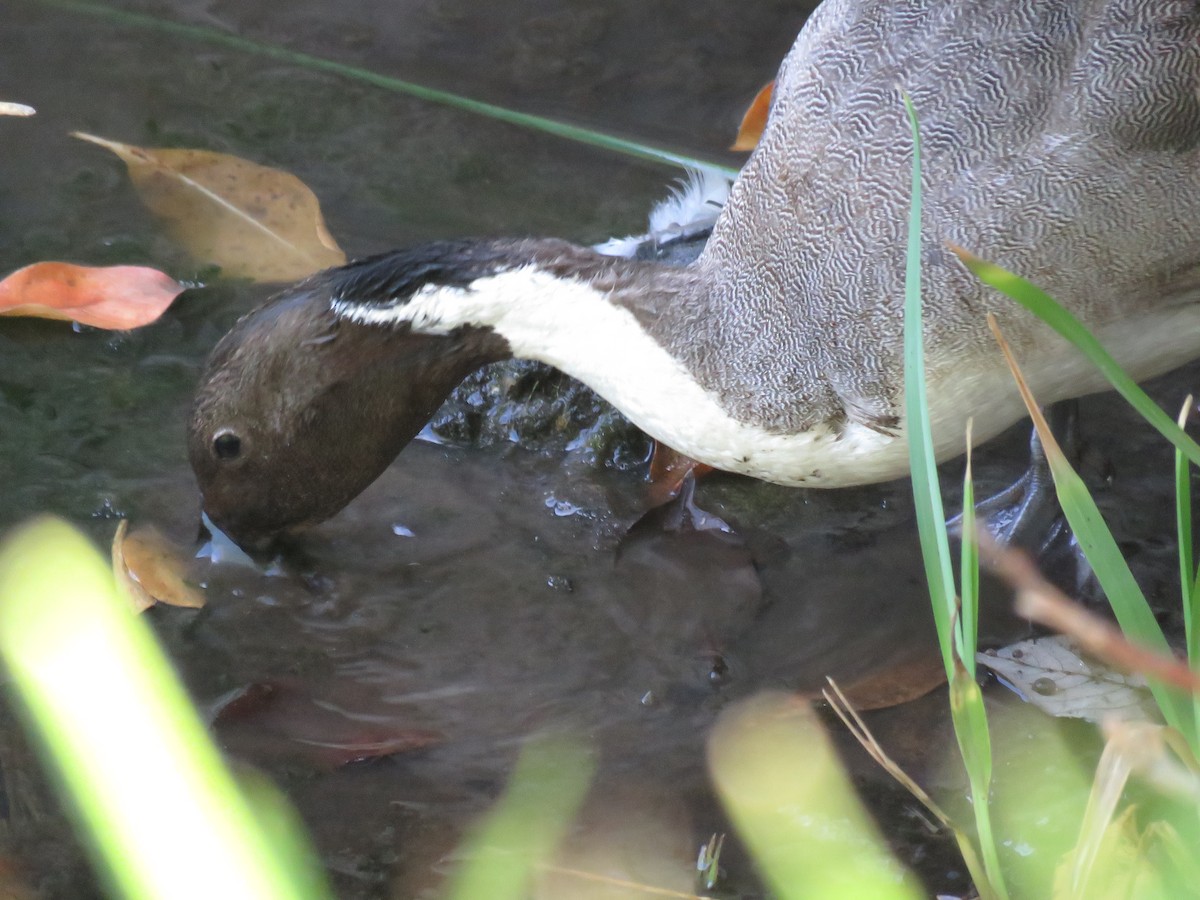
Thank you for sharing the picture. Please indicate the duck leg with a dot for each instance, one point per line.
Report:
(1026, 514)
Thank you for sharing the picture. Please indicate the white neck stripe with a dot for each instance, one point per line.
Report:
(572, 326)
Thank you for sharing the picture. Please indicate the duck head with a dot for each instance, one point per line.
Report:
(299, 409)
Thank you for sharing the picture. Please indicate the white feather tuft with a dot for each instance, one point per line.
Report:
(693, 206)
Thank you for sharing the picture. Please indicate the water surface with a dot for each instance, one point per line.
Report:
(472, 597)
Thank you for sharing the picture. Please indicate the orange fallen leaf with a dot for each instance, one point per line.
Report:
(253, 221)
(150, 569)
(755, 119)
(114, 297)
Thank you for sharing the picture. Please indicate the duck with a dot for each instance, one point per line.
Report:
(1059, 140)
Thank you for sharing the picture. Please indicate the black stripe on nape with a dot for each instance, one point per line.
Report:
(392, 278)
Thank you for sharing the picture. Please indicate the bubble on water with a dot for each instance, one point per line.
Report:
(1045, 686)
(562, 507)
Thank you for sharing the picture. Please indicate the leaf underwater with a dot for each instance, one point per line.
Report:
(113, 297)
(150, 569)
(8, 108)
(253, 221)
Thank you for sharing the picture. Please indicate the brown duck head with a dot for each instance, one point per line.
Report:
(299, 410)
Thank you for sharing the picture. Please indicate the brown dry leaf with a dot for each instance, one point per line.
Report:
(150, 569)
(253, 221)
(902, 683)
(755, 119)
(113, 297)
(668, 469)
(15, 109)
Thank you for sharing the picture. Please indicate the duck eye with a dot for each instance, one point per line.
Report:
(227, 445)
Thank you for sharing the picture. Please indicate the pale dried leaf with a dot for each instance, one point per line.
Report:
(1050, 673)
(151, 569)
(139, 599)
(254, 221)
(8, 108)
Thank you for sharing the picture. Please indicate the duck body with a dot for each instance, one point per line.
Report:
(1060, 140)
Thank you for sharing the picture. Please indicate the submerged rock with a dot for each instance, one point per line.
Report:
(538, 408)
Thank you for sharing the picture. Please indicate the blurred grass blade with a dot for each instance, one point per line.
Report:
(1112, 774)
(162, 815)
(1124, 595)
(501, 857)
(207, 35)
(1049, 311)
(794, 807)
(858, 728)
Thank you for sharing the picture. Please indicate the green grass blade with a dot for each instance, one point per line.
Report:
(1183, 530)
(969, 570)
(931, 518)
(1189, 577)
(1049, 311)
(1128, 602)
(161, 814)
(204, 34)
(502, 856)
(970, 722)
(975, 746)
(1124, 595)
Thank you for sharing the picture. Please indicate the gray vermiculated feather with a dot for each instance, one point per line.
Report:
(1060, 141)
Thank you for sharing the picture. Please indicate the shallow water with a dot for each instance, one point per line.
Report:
(498, 616)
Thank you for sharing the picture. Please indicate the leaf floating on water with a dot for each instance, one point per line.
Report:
(150, 569)
(754, 122)
(15, 109)
(253, 221)
(113, 297)
(1050, 674)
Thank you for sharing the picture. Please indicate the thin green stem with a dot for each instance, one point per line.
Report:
(931, 518)
(969, 571)
(966, 702)
(205, 34)
(1189, 578)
